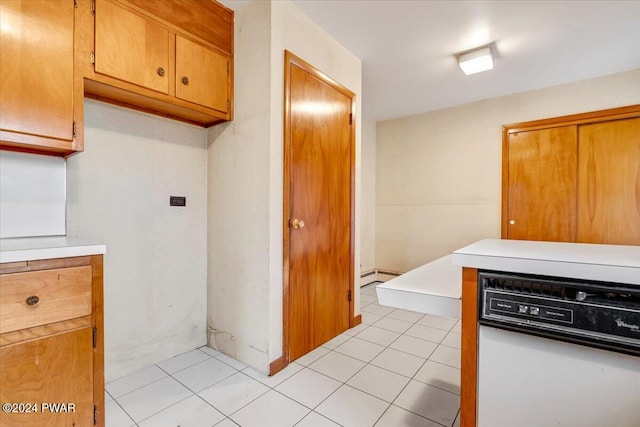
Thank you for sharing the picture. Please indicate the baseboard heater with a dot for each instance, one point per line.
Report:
(376, 275)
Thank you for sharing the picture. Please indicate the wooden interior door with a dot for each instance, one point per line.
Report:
(319, 167)
(36, 58)
(542, 187)
(56, 369)
(130, 47)
(206, 73)
(609, 182)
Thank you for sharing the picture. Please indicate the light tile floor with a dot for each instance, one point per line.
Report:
(398, 368)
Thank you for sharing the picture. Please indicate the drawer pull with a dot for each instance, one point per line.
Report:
(185, 81)
(33, 300)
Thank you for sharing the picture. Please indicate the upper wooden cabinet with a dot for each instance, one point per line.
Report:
(172, 58)
(164, 58)
(201, 75)
(38, 105)
(573, 179)
(131, 48)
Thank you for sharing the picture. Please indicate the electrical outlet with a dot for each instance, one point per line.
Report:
(177, 201)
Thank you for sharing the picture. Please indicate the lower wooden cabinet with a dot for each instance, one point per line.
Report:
(53, 376)
(51, 359)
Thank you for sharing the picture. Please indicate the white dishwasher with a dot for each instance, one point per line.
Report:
(557, 352)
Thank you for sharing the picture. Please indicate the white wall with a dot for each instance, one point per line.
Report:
(32, 195)
(238, 194)
(246, 178)
(155, 267)
(368, 211)
(439, 173)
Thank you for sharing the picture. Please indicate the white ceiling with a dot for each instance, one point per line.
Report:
(407, 47)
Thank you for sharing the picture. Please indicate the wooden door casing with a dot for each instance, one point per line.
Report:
(130, 47)
(609, 182)
(55, 369)
(36, 57)
(542, 185)
(318, 189)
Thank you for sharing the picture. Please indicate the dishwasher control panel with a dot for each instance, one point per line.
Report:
(599, 314)
(535, 310)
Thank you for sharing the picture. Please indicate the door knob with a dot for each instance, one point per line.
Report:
(185, 81)
(512, 222)
(297, 223)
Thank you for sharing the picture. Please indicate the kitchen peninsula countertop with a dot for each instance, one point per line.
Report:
(609, 263)
(434, 288)
(34, 248)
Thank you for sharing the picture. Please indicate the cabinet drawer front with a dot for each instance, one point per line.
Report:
(42, 297)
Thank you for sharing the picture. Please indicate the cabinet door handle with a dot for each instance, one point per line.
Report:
(32, 300)
(185, 81)
(160, 71)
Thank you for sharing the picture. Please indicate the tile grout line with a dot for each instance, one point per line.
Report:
(135, 423)
(139, 388)
(303, 367)
(243, 406)
(413, 379)
(367, 363)
(344, 383)
(175, 403)
(186, 367)
(418, 370)
(185, 386)
(389, 346)
(159, 379)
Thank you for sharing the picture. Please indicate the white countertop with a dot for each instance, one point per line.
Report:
(32, 248)
(434, 288)
(611, 263)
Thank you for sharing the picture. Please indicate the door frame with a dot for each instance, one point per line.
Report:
(291, 60)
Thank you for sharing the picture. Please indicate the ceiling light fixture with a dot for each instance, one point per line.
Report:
(476, 60)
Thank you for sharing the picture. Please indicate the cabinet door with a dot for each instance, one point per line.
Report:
(36, 59)
(542, 185)
(202, 75)
(130, 47)
(609, 183)
(51, 370)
